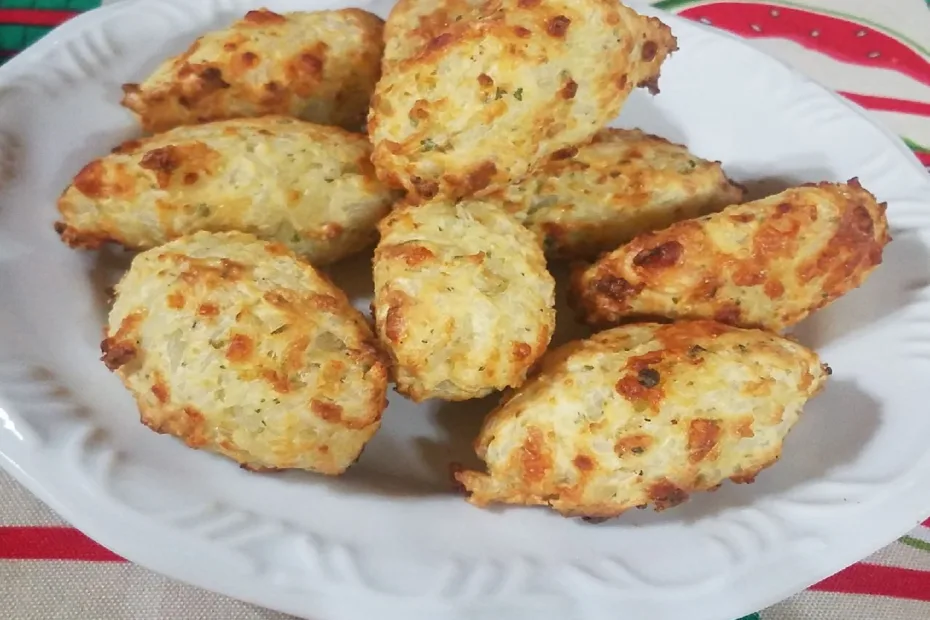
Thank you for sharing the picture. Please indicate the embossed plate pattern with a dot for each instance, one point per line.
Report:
(388, 540)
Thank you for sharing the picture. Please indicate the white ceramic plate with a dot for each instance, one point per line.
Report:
(388, 540)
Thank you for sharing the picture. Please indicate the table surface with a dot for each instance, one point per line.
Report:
(48, 570)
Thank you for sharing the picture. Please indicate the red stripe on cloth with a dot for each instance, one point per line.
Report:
(889, 104)
(51, 543)
(34, 17)
(927, 523)
(879, 581)
(925, 160)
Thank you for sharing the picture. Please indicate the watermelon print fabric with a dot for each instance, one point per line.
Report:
(50, 570)
(860, 40)
(24, 21)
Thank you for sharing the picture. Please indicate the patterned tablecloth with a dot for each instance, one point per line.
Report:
(873, 52)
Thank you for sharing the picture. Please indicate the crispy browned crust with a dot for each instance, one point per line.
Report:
(274, 368)
(81, 240)
(769, 263)
(215, 79)
(419, 141)
(468, 263)
(590, 199)
(684, 407)
(323, 202)
(116, 353)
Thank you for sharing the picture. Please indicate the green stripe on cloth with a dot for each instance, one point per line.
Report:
(58, 5)
(751, 617)
(910, 541)
(31, 34)
(15, 37)
(12, 37)
(918, 148)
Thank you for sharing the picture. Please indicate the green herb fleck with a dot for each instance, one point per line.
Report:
(499, 94)
(427, 144)
(518, 94)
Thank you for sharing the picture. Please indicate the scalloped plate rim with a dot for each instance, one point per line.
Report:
(151, 557)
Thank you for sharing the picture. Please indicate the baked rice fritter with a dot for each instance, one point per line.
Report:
(644, 415)
(235, 346)
(308, 186)
(768, 263)
(483, 100)
(412, 24)
(463, 302)
(319, 66)
(624, 183)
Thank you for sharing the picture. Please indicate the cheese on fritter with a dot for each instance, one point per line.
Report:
(483, 100)
(768, 263)
(624, 183)
(463, 302)
(308, 186)
(644, 415)
(412, 24)
(235, 346)
(318, 66)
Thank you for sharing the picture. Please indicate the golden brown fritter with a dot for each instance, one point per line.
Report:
(235, 346)
(463, 302)
(626, 182)
(318, 66)
(412, 24)
(768, 263)
(472, 105)
(644, 415)
(309, 186)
